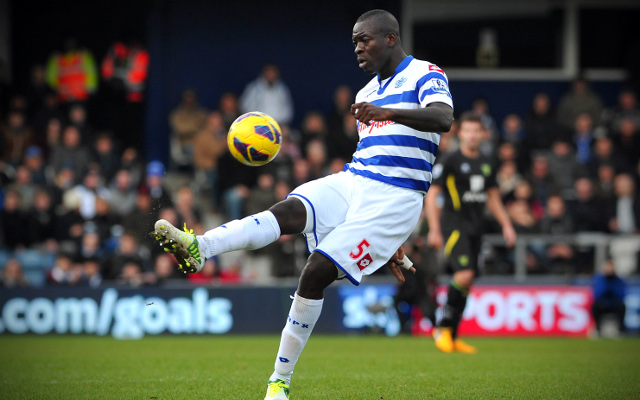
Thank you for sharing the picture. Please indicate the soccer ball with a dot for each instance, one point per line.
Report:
(254, 138)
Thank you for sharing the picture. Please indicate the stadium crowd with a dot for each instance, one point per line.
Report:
(77, 200)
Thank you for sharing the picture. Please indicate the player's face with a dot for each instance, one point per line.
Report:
(470, 134)
(371, 47)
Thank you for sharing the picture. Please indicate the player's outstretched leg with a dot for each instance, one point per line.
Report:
(250, 233)
(303, 315)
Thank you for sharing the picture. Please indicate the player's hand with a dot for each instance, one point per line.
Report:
(366, 112)
(435, 240)
(396, 262)
(509, 235)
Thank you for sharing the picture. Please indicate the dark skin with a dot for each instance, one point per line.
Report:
(381, 54)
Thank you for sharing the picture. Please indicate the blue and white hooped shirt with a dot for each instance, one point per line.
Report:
(391, 152)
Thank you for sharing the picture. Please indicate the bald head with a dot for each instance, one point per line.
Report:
(383, 21)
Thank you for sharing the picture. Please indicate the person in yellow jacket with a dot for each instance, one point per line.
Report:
(73, 74)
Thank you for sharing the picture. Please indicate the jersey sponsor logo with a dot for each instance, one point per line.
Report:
(474, 197)
(365, 261)
(374, 125)
(400, 82)
(434, 67)
(438, 85)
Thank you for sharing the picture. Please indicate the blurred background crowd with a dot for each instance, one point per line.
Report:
(78, 197)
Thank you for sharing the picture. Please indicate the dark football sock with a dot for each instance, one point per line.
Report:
(453, 309)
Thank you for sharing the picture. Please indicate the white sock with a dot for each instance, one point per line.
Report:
(302, 318)
(249, 233)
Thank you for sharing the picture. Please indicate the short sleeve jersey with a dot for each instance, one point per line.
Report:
(464, 182)
(395, 153)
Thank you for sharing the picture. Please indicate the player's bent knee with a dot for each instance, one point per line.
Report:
(464, 278)
(316, 276)
(291, 215)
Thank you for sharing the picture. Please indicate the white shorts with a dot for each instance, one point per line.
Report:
(359, 223)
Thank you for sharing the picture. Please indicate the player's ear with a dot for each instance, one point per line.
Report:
(392, 39)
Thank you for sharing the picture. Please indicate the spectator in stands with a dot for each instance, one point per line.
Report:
(209, 144)
(317, 157)
(122, 194)
(90, 246)
(605, 185)
(627, 108)
(78, 118)
(140, 220)
(508, 179)
(314, 127)
(579, 100)
(105, 156)
(626, 212)
(88, 192)
(282, 165)
(262, 195)
(90, 273)
(13, 222)
(542, 182)
(53, 137)
(64, 272)
(448, 140)
(583, 138)
(609, 291)
(587, 212)
(131, 274)
(628, 141)
(342, 135)
(540, 124)
(480, 106)
(185, 121)
(160, 196)
(70, 150)
(564, 167)
(512, 130)
(269, 95)
(17, 137)
(132, 163)
(126, 252)
(188, 211)
(558, 222)
(34, 163)
(41, 221)
(12, 275)
(24, 186)
(522, 217)
(604, 153)
(524, 192)
(49, 111)
(229, 109)
(165, 269)
(235, 181)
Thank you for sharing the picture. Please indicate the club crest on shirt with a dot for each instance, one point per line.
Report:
(400, 82)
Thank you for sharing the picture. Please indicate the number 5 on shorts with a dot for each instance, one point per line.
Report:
(363, 245)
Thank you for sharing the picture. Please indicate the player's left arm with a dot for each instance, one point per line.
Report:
(435, 117)
(400, 260)
(494, 202)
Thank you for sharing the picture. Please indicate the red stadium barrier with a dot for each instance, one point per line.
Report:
(522, 311)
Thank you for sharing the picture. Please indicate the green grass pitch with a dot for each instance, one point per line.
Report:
(332, 367)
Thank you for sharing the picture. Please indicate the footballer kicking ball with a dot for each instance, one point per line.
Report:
(254, 138)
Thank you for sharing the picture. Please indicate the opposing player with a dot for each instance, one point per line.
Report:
(468, 181)
(356, 219)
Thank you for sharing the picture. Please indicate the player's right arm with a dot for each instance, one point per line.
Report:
(434, 238)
